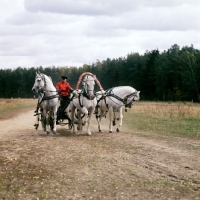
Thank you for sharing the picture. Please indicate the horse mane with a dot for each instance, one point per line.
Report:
(50, 78)
(47, 78)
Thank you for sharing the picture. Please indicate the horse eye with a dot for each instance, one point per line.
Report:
(38, 80)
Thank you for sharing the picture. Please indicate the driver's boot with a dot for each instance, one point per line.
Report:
(59, 116)
(64, 113)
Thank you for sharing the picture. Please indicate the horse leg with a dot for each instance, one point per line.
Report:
(54, 116)
(99, 120)
(37, 122)
(89, 120)
(44, 122)
(120, 119)
(72, 118)
(85, 113)
(86, 118)
(48, 116)
(114, 118)
(111, 117)
(68, 110)
(79, 123)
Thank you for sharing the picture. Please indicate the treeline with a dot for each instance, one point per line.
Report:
(172, 75)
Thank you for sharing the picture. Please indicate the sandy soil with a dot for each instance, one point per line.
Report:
(124, 165)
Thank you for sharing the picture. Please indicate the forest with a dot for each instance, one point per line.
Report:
(171, 75)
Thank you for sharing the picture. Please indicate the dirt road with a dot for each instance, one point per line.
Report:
(125, 165)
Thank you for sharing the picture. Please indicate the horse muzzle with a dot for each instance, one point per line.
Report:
(129, 105)
(35, 89)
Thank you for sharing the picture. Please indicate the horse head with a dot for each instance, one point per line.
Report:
(39, 82)
(129, 99)
(88, 84)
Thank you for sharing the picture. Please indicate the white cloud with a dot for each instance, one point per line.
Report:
(71, 33)
(100, 7)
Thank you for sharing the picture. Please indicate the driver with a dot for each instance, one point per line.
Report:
(64, 89)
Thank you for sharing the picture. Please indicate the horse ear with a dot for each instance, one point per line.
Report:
(138, 92)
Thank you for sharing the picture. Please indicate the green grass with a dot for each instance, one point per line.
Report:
(164, 118)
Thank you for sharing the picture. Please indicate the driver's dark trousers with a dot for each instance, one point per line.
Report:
(64, 101)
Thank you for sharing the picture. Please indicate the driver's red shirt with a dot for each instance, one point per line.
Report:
(63, 86)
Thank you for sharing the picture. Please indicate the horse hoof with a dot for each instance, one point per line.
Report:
(89, 134)
(69, 126)
(110, 131)
(54, 132)
(36, 126)
(100, 131)
(117, 130)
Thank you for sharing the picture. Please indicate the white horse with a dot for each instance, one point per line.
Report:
(85, 102)
(48, 102)
(112, 101)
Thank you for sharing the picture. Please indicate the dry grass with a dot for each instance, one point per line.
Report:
(170, 110)
(15, 104)
(181, 119)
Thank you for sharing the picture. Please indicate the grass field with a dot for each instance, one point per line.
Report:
(7, 105)
(179, 119)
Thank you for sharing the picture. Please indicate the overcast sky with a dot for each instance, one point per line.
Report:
(75, 32)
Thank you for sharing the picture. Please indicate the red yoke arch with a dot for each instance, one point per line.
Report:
(88, 73)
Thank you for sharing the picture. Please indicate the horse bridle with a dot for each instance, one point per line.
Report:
(42, 78)
(42, 93)
(134, 94)
(85, 92)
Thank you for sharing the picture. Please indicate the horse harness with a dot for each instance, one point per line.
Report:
(84, 94)
(110, 93)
